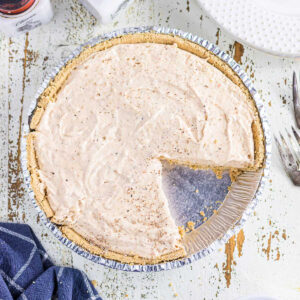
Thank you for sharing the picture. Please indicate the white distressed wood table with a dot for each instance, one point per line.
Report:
(263, 259)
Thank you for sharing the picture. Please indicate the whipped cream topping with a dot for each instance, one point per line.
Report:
(121, 112)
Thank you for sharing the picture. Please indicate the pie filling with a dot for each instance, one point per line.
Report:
(99, 146)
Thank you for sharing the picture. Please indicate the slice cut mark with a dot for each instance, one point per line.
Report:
(228, 215)
(194, 195)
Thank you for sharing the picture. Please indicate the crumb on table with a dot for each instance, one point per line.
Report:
(190, 225)
(94, 283)
(181, 230)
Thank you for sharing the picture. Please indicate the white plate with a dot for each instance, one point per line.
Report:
(269, 25)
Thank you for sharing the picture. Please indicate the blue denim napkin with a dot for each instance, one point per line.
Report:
(26, 272)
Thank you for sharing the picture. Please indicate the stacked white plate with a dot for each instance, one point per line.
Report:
(269, 25)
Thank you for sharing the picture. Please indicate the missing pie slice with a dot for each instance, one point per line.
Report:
(105, 123)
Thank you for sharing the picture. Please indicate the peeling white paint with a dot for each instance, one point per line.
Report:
(253, 273)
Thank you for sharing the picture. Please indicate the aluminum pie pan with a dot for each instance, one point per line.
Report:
(196, 249)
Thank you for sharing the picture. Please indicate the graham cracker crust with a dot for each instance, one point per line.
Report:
(57, 83)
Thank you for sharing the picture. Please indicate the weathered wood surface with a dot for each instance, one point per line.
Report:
(262, 259)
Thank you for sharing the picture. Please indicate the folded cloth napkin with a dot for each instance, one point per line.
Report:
(26, 271)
